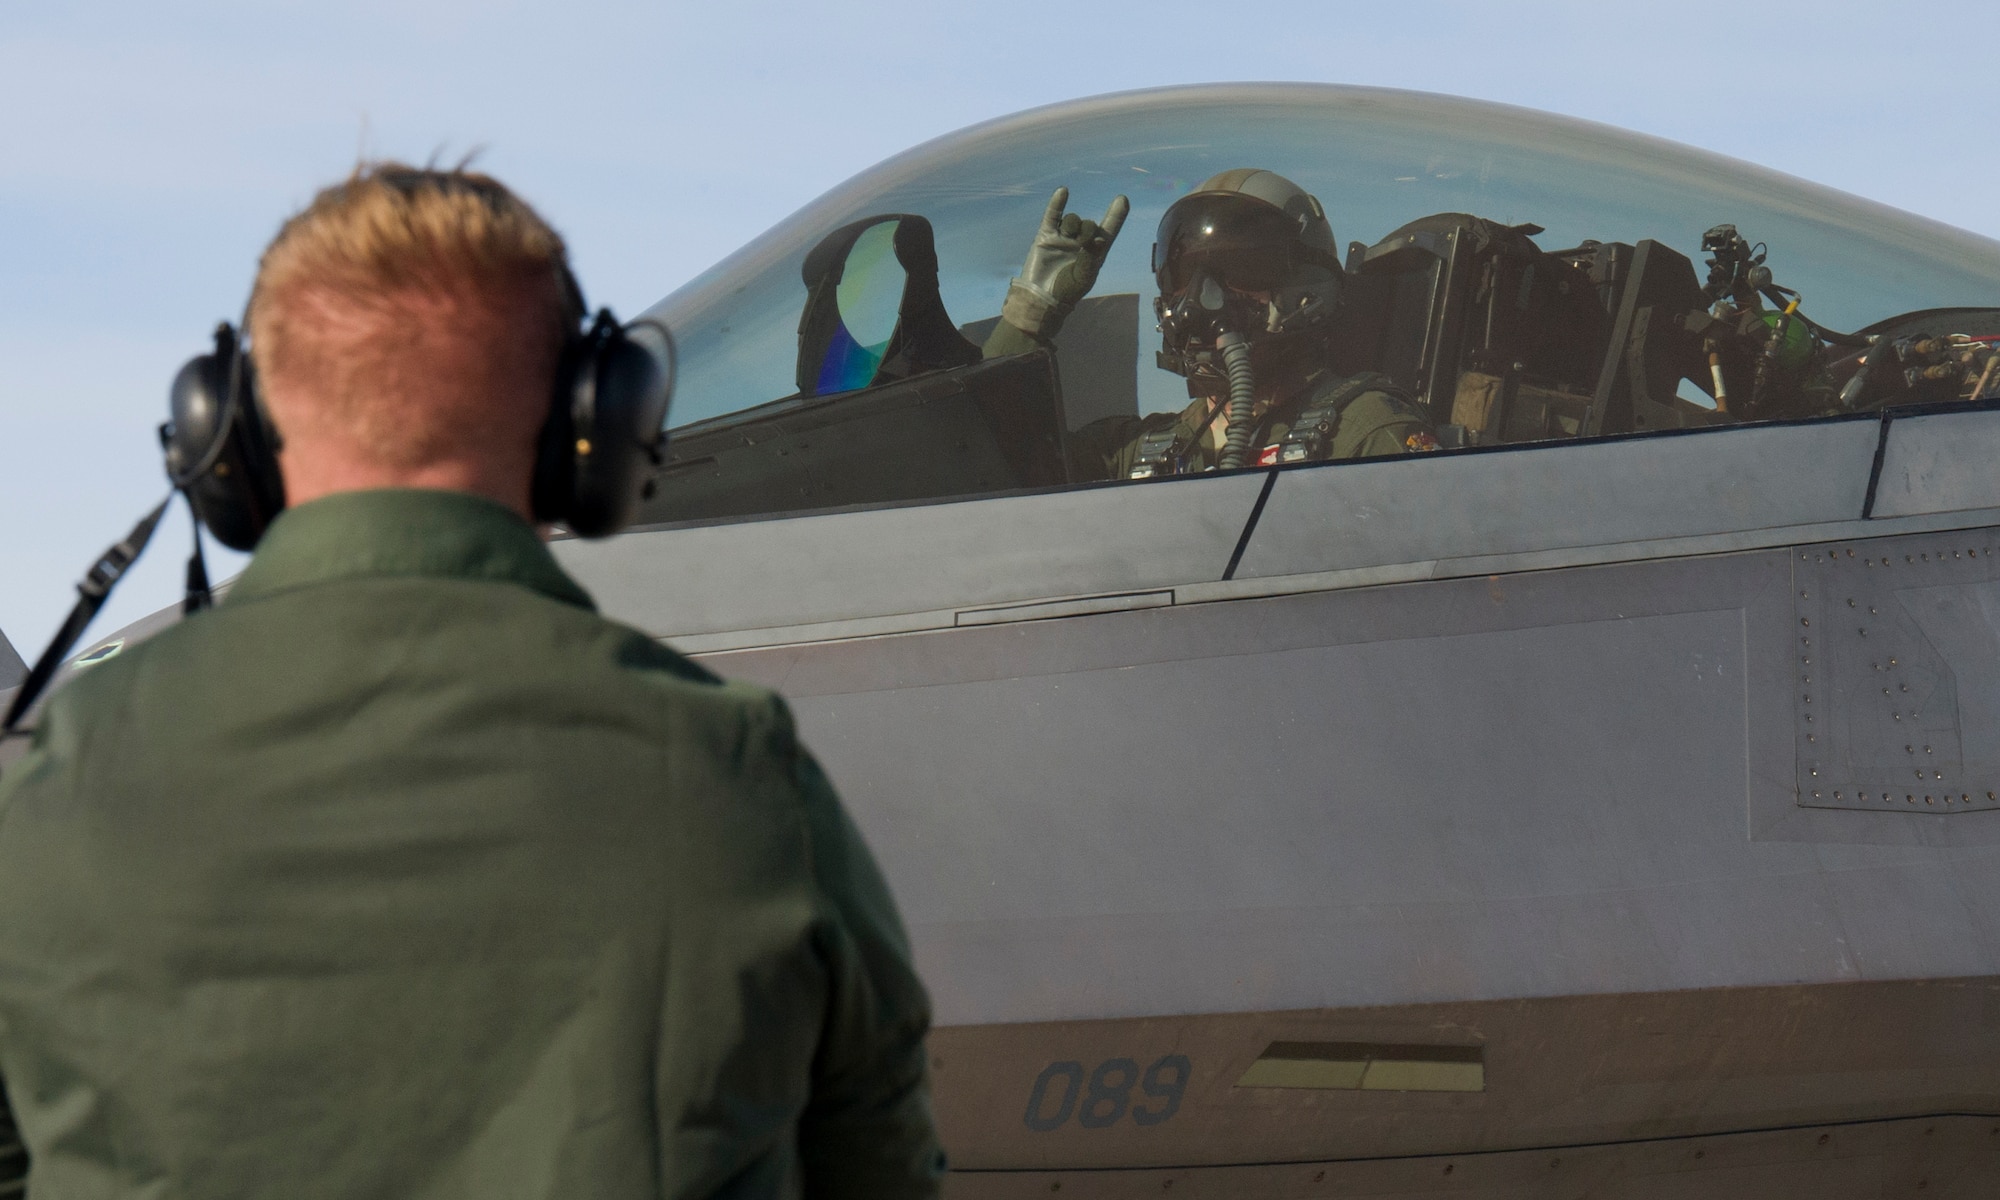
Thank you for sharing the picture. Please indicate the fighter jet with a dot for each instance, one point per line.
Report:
(12, 669)
(1601, 798)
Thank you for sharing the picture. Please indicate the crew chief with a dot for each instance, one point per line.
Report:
(402, 872)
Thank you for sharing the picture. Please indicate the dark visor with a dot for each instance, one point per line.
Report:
(1245, 243)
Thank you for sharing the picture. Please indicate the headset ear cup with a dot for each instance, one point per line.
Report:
(554, 483)
(619, 408)
(261, 444)
(222, 454)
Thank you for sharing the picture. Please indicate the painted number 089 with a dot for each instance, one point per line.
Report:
(1060, 1092)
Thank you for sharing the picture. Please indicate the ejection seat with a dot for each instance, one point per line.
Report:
(1504, 342)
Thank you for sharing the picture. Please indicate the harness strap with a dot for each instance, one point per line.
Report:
(1311, 436)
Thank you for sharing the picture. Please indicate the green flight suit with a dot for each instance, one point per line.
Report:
(1374, 423)
(403, 873)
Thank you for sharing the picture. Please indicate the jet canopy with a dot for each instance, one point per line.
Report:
(1523, 277)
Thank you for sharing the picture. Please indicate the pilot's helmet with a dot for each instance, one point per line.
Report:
(1248, 251)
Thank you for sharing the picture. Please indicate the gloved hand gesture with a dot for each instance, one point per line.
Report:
(1062, 265)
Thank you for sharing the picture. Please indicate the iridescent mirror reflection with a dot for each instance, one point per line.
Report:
(869, 299)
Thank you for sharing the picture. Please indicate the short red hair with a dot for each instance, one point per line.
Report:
(412, 316)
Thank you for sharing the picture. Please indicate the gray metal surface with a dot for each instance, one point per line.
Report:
(1046, 609)
(800, 579)
(1560, 1074)
(966, 554)
(1898, 697)
(12, 669)
(1552, 496)
(1478, 789)
(1941, 462)
(1943, 1158)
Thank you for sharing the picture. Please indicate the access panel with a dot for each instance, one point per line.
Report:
(1896, 653)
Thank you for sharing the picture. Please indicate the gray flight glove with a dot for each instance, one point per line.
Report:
(1062, 265)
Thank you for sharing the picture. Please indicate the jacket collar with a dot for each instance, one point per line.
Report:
(403, 532)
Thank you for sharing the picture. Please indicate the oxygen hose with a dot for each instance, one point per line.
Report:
(1783, 297)
(1242, 389)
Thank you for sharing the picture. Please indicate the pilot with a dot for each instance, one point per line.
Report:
(404, 872)
(1249, 297)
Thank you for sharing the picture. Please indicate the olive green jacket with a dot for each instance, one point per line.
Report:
(403, 873)
(1375, 423)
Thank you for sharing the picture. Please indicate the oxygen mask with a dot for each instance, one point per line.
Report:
(1202, 338)
(1229, 263)
(1194, 320)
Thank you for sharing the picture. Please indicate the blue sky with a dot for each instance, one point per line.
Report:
(151, 149)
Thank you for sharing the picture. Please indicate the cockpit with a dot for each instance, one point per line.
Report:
(1519, 277)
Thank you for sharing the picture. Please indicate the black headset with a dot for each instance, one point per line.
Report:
(597, 456)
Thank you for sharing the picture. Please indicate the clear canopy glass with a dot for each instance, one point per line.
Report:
(1376, 159)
